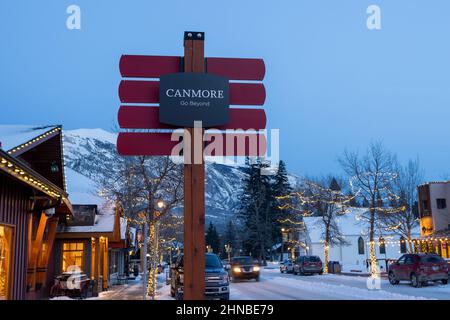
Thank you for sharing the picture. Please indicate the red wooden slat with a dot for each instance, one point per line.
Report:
(139, 91)
(140, 66)
(131, 91)
(236, 68)
(247, 94)
(145, 144)
(159, 144)
(138, 117)
(148, 66)
(141, 117)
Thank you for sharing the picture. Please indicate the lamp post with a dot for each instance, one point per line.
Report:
(283, 235)
(160, 205)
(228, 251)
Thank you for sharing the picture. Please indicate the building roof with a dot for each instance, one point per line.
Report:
(104, 223)
(435, 182)
(12, 136)
(350, 224)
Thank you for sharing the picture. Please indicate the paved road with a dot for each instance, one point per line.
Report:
(277, 286)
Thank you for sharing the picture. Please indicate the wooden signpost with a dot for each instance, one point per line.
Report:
(160, 144)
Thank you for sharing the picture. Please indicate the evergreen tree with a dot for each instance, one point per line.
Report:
(230, 236)
(212, 238)
(256, 211)
(282, 207)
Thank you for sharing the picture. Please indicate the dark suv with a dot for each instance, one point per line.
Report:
(419, 269)
(217, 285)
(308, 264)
(244, 268)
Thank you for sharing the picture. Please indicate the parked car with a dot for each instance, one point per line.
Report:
(418, 269)
(287, 266)
(244, 268)
(308, 264)
(217, 284)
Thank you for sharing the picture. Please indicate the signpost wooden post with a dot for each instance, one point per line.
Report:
(215, 113)
(194, 189)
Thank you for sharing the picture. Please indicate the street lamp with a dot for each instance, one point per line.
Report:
(160, 204)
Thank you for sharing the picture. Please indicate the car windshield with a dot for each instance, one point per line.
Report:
(212, 261)
(242, 260)
(313, 259)
(431, 259)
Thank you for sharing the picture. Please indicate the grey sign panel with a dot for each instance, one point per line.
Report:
(189, 97)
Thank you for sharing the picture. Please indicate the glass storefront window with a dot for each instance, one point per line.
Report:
(5, 260)
(73, 255)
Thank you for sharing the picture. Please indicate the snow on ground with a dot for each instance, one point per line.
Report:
(276, 286)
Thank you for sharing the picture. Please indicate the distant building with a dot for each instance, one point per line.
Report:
(97, 244)
(434, 213)
(355, 255)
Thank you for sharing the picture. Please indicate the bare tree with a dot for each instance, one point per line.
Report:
(371, 177)
(403, 222)
(148, 189)
(325, 199)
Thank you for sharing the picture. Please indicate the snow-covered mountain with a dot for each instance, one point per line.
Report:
(90, 152)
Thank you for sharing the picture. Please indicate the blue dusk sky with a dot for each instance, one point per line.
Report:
(331, 82)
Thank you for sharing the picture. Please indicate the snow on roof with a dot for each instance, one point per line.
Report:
(350, 224)
(14, 135)
(103, 223)
(81, 189)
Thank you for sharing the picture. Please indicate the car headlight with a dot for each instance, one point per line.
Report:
(256, 268)
(224, 278)
(237, 269)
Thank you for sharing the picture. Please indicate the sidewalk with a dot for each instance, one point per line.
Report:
(134, 291)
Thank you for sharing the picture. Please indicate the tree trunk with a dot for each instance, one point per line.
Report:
(326, 248)
(410, 245)
(373, 257)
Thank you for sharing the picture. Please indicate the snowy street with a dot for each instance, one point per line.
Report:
(276, 286)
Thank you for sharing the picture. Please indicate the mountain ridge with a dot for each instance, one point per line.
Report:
(89, 152)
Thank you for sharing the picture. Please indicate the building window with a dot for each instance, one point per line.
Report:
(425, 204)
(6, 238)
(382, 246)
(402, 245)
(73, 255)
(360, 245)
(441, 203)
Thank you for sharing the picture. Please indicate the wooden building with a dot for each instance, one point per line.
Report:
(33, 200)
(434, 213)
(94, 243)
